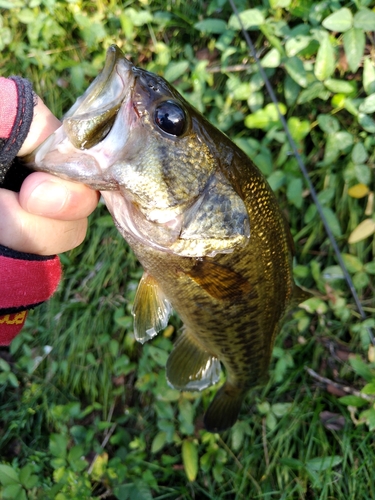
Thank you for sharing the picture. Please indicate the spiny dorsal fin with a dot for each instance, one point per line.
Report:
(190, 367)
(219, 281)
(151, 309)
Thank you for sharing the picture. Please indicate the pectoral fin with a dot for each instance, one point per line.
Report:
(151, 309)
(219, 281)
(189, 367)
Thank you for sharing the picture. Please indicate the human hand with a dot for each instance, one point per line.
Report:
(48, 215)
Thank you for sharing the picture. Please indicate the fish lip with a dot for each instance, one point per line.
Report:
(92, 116)
(115, 66)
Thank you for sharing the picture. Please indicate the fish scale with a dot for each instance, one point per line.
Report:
(199, 216)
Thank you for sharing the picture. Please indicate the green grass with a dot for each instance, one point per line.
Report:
(101, 396)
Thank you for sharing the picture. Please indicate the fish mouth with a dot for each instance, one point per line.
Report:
(83, 149)
(91, 118)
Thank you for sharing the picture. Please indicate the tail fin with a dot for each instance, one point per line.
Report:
(224, 409)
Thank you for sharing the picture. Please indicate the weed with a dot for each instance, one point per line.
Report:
(85, 411)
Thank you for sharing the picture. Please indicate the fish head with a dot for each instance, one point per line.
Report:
(131, 133)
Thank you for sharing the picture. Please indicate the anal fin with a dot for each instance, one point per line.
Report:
(151, 309)
(191, 368)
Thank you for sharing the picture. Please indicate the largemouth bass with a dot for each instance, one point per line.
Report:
(199, 216)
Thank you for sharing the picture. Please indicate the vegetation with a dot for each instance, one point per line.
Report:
(85, 412)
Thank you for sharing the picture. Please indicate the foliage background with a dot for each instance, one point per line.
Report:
(85, 412)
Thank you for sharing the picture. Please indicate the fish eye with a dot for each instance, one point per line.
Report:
(170, 117)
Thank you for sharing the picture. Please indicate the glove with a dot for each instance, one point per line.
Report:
(26, 280)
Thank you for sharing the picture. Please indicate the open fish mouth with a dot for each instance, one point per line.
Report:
(82, 147)
(93, 114)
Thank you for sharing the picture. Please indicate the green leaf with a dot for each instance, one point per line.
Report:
(341, 20)
(8, 475)
(299, 129)
(216, 26)
(370, 267)
(237, 436)
(158, 355)
(265, 118)
(295, 69)
(331, 273)
(281, 409)
(138, 17)
(365, 19)
(369, 388)
(11, 4)
(325, 60)
(361, 280)
(362, 173)
(354, 45)
(291, 90)
(368, 104)
(344, 140)
(326, 196)
(158, 442)
(359, 153)
(250, 18)
(4, 366)
(271, 421)
(296, 44)
(355, 401)
(26, 16)
(361, 368)
(366, 122)
(369, 415)
(76, 458)
(276, 180)
(294, 192)
(174, 70)
(58, 444)
(313, 91)
(13, 491)
(368, 76)
(280, 4)
(314, 305)
(190, 459)
(333, 221)
(292, 463)
(341, 86)
(351, 106)
(328, 123)
(352, 262)
(271, 59)
(323, 463)
(264, 407)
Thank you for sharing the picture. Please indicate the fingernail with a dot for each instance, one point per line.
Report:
(48, 199)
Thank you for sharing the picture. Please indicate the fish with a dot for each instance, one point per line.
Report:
(199, 216)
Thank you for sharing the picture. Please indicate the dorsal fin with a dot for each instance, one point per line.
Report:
(151, 309)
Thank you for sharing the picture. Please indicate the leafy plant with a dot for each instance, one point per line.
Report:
(85, 411)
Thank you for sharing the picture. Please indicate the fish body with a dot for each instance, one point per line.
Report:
(199, 216)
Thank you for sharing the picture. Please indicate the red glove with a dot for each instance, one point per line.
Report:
(26, 280)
